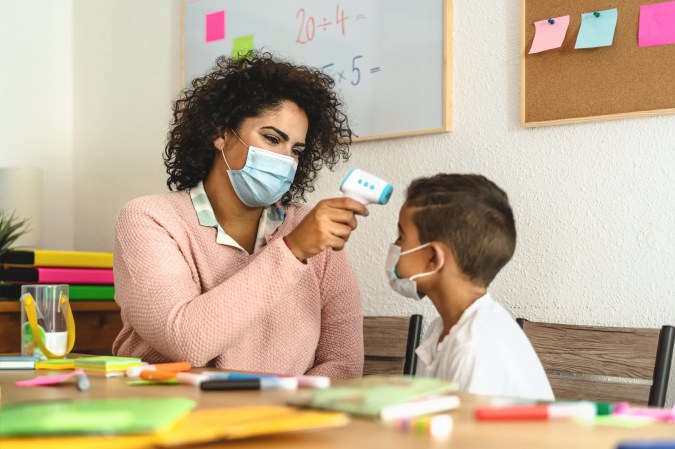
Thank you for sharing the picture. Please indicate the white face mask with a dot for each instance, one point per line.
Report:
(405, 286)
(265, 178)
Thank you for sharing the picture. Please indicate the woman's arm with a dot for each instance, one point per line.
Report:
(339, 353)
(162, 300)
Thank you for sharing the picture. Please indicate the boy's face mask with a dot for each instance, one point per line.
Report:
(265, 178)
(405, 286)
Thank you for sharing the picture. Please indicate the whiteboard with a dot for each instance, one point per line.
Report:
(390, 59)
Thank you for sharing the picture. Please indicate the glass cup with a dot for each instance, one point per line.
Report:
(47, 324)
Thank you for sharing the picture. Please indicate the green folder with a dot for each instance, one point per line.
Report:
(369, 395)
(97, 417)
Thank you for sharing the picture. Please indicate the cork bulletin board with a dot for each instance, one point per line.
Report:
(565, 85)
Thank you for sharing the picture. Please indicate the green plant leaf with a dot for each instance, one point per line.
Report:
(11, 228)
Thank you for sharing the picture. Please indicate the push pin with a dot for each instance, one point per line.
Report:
(551, 21)
(596, 14)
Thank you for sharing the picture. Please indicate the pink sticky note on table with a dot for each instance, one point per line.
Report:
(215, 26)
(657, 24)
(43, 381)
(549, 35)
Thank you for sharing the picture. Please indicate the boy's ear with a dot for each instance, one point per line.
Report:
(439, 256)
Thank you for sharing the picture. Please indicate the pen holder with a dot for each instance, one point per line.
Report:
(47, 323)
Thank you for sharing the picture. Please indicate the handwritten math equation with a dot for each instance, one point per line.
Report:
(308, 24)
(344, 75)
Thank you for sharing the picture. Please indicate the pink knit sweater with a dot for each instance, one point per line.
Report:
(185, 297)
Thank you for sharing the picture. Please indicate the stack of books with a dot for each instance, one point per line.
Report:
(106, 366)
(89, 274)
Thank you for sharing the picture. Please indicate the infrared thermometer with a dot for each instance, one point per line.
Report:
(366, 188)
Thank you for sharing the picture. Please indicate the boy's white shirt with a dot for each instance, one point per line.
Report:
(486, 352)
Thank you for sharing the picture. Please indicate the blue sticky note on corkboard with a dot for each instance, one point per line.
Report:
(241, 46)
(597, 29)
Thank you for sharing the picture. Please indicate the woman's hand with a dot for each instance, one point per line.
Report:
(328, 225)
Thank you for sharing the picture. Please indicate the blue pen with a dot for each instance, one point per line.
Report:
(218, 375)
(655, 444)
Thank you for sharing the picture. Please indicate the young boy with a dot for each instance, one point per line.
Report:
(455, 233)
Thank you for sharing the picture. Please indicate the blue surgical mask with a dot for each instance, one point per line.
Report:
(405, 286)
(265, 177)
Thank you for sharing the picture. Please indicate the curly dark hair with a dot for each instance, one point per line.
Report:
(237, 89)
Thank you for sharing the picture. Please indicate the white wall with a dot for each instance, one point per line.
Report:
(127, 71)
(593, 202)
(36, 122)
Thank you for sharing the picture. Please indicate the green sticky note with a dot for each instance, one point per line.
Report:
(242, 46)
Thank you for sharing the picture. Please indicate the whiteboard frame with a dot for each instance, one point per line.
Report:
(446, 114)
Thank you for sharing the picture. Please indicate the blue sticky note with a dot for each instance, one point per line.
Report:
(597, 29)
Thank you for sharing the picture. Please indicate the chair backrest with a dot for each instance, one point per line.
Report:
(604, 363)
(390, 343)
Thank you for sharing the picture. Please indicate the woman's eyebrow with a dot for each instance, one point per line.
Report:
(283, 135)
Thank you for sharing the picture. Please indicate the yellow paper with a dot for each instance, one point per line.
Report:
(204, 426)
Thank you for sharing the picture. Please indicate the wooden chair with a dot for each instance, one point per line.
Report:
(390, 343)
(611, 364)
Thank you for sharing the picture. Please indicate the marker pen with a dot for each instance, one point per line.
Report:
(653, 444)
(181, 378)
(657, 414)
(263, 383)
(224, 375)
(135, 371)
(579, 410)
(438, 426)
(82, 381)
(303, 381)
(313, 381)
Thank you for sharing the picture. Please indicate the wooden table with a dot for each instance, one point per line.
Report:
(467, 433)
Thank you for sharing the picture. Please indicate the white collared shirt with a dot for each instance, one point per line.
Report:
(270, 220)
(486, 352)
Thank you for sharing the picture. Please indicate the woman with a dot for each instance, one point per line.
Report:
(229, 270)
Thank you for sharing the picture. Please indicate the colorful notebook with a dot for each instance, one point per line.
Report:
(97, 417)
(49, 258)
(106, 366)
(59, 275)
(76, 292)
(371, 394)
(12, 363)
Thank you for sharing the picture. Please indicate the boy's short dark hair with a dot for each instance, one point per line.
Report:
(471, 215)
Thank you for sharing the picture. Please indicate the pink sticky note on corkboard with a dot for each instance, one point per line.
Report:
(215, 26)
(549, 35)
(657, 24)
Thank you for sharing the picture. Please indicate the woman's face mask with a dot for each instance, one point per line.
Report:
(405, 286)
(265, 177)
